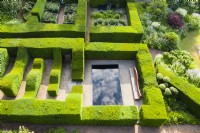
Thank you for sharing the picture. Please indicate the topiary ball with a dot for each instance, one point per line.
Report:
(167, 92)
(159, 76)
(174, 90)
(166, 79)
(162, 86)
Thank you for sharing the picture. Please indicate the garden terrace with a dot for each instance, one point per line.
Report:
(33, 27)
(131, 33)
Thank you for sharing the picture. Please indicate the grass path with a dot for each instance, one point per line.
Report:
(190, 42)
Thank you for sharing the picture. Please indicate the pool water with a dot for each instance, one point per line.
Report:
(106, 85)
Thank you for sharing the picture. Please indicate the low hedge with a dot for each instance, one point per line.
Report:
(34, 79)
(188, 93)
(153, 112)
(96, 3)
(10, 83)
(110, 115)
(33, 28)
(38, 9)
(4, 60)
(55, 75)
(122, 34)
(43, 48)
(43, 111)
(146, 71)
(112, 51)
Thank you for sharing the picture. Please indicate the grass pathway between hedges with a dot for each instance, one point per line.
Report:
(190, 42)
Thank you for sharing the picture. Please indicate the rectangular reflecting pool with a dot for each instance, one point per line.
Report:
(106, 85)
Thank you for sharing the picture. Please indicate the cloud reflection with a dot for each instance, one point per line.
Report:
(106, 87)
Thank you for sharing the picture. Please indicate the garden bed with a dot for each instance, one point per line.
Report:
(51, 12)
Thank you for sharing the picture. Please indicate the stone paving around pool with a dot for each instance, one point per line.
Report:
(126, 88)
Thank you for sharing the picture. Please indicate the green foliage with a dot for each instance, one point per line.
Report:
(55, 75)
(96, 3)
(52, 6)
(146, 71)
(38, 9)
(49, 17)
(110, 115)
(167, 92)
(193, 22)
(128, 34)
(4, 59)
(11, 82)
(57, 130)
(162, 86)
(159, 76)
(153, 112)
(188, 93)
(34, 79)
(158, 9)
(36, 29)
(166, 79)
(172, 41)
(43, 48)
(178, 61)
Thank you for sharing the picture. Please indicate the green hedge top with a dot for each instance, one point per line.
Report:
(38, 9)
(188, 93)
(113, 51)
(135, 24)
(110, 115)
(106, 46)
(146, 69)
(4, 59)
(63, 43)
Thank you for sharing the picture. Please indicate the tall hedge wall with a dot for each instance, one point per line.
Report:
(34, 29)
(43, 48)
(153, 112)
(188, 93)
(55, 75)
(11, 82)
(122, 34)
(110, 115)
(38, 9)
(34, 79)
(4, 59)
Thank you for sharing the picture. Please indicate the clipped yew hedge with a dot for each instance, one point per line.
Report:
(4, 60)
(38, 9)
(121, 34)
(34, 79)
(188, 93)
(55, 75)
(110, 115)
(11, 82)
(43, 48)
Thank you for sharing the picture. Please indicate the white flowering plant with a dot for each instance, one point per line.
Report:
(182, 12)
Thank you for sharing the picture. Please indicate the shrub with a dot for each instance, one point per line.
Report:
(168, 92)
(172, 41)
(55, 74)
(166, 79)
(100, 21)
(11, 82)
(159, 76)
(158, 9)
(182, 12)
(193, 22)
(4, 59)
(34, 79)
(174, 90)
(162, 86)
(175, 20)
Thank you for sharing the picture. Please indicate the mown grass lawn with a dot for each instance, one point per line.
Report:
(190, 43)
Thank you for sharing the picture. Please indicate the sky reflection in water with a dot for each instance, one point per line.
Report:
(106, 85)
